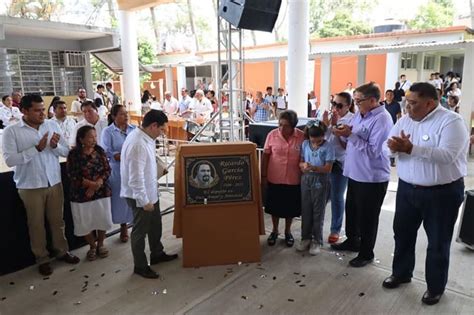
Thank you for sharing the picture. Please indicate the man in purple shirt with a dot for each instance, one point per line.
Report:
(368, 170)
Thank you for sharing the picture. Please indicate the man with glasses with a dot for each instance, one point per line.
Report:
(434, 142)
(368, 168)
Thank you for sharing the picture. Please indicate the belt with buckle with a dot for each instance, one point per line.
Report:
(435, 186)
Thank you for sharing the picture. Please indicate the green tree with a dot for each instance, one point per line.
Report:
(323, 12)
(146, 56)
(434, 14)
(40, 9)
(343, 25)
(100, 72)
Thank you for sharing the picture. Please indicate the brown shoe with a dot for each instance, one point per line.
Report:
(45, 269)
(123, 234)
(69, 258)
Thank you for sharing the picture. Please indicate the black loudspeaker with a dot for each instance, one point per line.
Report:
(257, 15)
(466, 225)
(258, 131)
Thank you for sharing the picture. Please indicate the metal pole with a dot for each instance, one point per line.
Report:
(231, 77)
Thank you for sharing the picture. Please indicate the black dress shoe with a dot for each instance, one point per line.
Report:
(289, 240)
(393, 282)
(162, 258)
(272, 238)
(45, 269)
(360, 262)
(346, 245)
(146, 273)
(431, 299)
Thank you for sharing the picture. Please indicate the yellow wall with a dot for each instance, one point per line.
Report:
(67, 99)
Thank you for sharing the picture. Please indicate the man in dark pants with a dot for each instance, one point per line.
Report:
(139, 176)
(368, 168)
(431, 143)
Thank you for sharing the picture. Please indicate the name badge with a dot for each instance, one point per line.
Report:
(425, 138)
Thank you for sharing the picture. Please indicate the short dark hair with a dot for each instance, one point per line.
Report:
(315, 128)
(57, 103)
(346, 96)
(402, 75)
(269, 88)
(108, 84)
(153, 116)
(89, 103)
(98, 102)
(100, 86)
(28, 100)
(290, 116)
(389, 91)
(4, 97)
(81, 133)
(425, 90)
(455, 98)
(370, 89)
(113, 113)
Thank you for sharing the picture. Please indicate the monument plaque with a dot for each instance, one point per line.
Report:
(218, 179)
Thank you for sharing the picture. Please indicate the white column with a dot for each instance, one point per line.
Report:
(181, 74)
(391, 70)
(437, 63)
(467, 98)
(420, 67)
(276, 76)
(298, 51)
(325, 82)
(361, 69)
(161, 89)
(88, 84)
(131, 75)
(169, 80)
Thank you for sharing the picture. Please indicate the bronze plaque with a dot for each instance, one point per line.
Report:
(218, 179)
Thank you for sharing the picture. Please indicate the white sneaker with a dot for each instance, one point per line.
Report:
(314, 249)
(303, 245)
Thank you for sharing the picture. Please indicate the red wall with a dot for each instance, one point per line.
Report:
(257, 76)
(344, 70)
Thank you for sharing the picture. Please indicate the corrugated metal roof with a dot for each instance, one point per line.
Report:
(392, 48)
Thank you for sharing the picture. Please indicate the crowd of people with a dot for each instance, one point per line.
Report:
(105, 188)
(112, 169)
(351, 149)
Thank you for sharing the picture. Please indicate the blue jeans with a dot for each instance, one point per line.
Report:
(338, 187)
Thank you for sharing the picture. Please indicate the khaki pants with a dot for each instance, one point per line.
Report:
(40, 203)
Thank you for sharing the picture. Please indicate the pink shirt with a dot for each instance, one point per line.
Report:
(283, 165)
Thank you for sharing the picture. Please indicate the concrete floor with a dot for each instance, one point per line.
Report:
(285, 282)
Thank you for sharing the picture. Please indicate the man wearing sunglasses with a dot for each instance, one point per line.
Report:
(368, 168)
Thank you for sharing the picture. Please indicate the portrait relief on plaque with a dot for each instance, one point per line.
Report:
(218, 179)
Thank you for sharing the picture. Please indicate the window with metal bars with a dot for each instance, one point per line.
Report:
(38, 71)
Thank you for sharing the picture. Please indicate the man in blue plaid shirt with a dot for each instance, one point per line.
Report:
(260, 108)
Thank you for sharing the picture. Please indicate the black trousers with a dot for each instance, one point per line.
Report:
(437, 208)
(363, 204)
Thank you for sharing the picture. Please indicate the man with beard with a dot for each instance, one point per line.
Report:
(203, 177)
